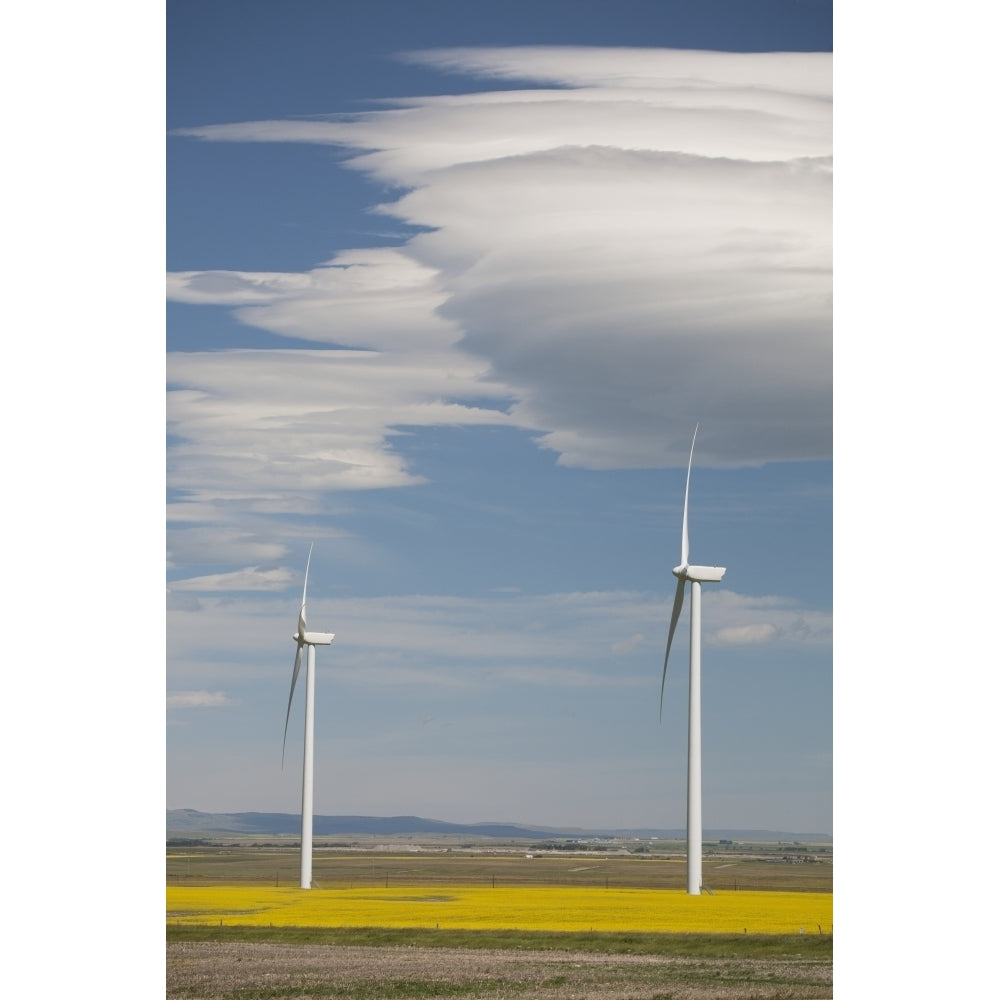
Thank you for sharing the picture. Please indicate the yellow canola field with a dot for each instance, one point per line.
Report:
(523, 908)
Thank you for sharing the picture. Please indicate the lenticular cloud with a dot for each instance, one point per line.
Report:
(633, 240)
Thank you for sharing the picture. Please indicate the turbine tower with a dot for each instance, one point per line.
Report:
(696, 576)
(310, 640)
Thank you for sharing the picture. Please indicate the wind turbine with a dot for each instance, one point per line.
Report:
(310, 640)
(696, 576)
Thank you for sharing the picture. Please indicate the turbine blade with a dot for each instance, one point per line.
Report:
(295, 677)
(305, 584)
(687, 486)
(674, 615)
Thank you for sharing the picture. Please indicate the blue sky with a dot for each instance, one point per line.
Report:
(448, 290)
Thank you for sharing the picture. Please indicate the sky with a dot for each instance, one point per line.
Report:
(448, 290)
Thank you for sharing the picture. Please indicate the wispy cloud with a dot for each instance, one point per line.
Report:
(744, 635)
(558, 639)
(627, 645)
(254, 421)
(754, 75)
(198, 699)
(250, 578)
(750, 621)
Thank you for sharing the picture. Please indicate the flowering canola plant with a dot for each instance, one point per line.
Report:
(548, 908)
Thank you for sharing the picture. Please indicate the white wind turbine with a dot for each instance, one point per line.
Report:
(310, 640)
(696, 575)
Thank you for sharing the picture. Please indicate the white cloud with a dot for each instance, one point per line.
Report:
(251, 578)
(256, 421)
(744, 635)
(605, 263)
(192, 542)
(235, 288)
(377, 298)
(747, 105)
(198, 699)
(696, 70)
(771, 619)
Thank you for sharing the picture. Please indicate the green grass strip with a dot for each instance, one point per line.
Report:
(812, 946)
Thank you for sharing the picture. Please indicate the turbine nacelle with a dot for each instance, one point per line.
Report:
(314, 638)
(699, 574)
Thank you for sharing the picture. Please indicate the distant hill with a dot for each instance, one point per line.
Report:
(185, 822)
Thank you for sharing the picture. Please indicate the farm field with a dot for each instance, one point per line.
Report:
(239, 864)
(438, 924)
(542, 908)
